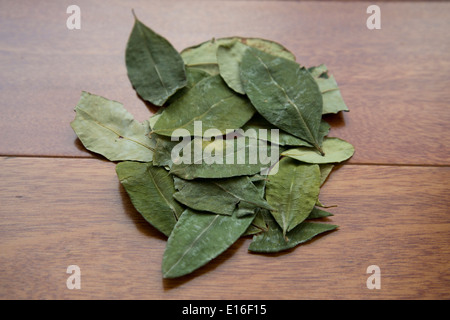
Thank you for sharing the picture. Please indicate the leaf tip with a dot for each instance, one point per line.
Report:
(134, 14)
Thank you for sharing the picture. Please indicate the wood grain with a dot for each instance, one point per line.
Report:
(59, 212)
(394, 80)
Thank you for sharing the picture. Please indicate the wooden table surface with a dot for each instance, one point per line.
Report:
(61, 205)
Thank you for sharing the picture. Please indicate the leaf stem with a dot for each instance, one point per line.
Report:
(319, 149)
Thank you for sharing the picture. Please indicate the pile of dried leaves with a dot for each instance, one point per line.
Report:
(238, 148)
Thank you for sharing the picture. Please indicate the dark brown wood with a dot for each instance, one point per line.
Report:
(394, 80)
(61, 212)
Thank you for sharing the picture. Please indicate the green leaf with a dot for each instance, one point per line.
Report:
(258, 225)
(268, 46)
(193, 76)
(224, 196)
(335, 149)
(164, 145)
(224, 158)
(258, 123)
(284, 93)
(317, 213)
(325, 170)
(154, 117)
(293, 191)
(204, 55)
(106, 127)
(198, 238)
(163, 149)
(211, 68)
(274, 241)
(151, 192)
(211, 103)
(229, 57)
(331, 95)
(155, 69)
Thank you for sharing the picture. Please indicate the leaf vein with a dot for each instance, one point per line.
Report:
(115, 132)
(192, 244)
